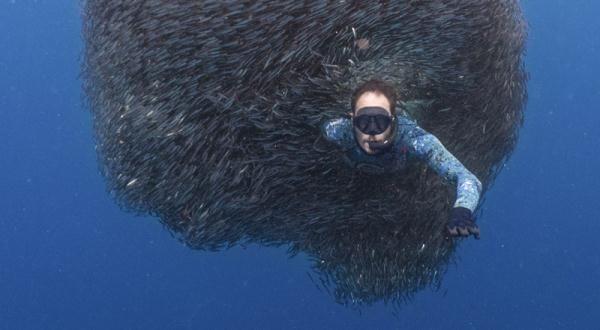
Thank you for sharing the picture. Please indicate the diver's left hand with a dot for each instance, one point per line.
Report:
(462, 224)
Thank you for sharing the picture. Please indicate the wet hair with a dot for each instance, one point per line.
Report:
(376, 86)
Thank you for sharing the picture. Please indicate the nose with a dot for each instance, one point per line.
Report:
(372, 128)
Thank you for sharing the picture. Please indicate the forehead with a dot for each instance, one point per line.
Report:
(372, 99)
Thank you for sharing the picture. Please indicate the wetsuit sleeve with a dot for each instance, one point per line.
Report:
(337, 131)
(427, 147)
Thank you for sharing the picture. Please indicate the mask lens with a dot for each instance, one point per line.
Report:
(372, 124)
(382, 122)
(362, 123)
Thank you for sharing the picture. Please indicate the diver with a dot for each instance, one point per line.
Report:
(375, 138)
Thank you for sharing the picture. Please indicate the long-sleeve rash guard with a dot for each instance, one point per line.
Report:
(410, 140)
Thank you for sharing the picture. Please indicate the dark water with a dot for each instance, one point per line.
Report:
(70, 259)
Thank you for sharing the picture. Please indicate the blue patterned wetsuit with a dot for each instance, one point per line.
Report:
(410, 140)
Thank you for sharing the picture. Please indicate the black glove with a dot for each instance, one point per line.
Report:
(462, 223)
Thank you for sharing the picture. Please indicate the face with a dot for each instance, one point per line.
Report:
(371, 99)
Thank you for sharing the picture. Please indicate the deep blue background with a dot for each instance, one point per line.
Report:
(70, 259)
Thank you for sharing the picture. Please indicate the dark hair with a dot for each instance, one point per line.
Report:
(377, 86)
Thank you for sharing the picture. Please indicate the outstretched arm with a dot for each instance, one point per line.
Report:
(468, 188)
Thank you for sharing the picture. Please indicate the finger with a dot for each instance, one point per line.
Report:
(475, 231)
(452, 231)
(463, 231)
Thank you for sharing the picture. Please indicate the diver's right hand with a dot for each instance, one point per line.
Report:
(462, 223)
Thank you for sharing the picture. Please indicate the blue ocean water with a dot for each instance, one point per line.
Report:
(70, 259)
